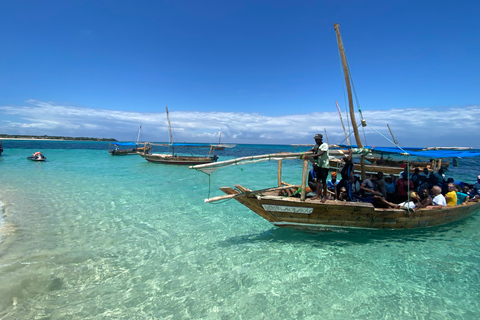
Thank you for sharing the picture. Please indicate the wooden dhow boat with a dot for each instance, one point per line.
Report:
(180, 159)
(305, 214)
(127, 148)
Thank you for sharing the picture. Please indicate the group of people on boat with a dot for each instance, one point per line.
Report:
(426, 189)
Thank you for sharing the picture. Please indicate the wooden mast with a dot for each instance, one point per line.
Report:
(350, 98)
(170, 129)
(138, 136)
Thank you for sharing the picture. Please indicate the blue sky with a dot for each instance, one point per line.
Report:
(258, 71)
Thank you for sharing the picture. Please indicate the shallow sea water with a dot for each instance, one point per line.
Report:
(87, 235)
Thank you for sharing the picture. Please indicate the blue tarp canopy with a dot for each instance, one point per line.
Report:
(124, 143)
(431, 154)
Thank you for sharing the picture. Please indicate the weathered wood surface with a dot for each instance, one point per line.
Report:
(169, 159)
(310, 214)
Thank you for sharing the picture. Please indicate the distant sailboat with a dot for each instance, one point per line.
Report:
(125, 148)
(221, 146)
(181, 159)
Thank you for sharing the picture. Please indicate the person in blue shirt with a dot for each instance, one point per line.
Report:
(332, 184)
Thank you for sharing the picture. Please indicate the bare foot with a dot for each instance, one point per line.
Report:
(323, 200)
(315, 198)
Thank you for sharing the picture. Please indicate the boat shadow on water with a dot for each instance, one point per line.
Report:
(345, 237)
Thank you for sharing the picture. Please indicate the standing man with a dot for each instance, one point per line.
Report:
(320, 152)
(348, 179)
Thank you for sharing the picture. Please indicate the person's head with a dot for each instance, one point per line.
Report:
(450, 180)
(425, 170)
(414, 196)
(318, 138)
(380, 175)
(334, 175)
(424, 192)
(451, 187)
(373, 177)
(436, 190)
(478, 178)
(466, 189)
(388, 179)
(416, 170)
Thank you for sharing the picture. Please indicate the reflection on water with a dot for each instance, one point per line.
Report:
(345, 237)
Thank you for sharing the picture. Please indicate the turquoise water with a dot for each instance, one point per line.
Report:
(87, 235)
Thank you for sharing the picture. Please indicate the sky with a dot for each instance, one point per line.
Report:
(265, 72)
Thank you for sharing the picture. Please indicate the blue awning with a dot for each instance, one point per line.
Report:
(124, 144)
(431, 154)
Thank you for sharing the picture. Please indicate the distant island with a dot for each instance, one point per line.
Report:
(45, 137)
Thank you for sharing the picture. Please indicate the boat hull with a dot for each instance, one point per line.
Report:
(129, 151)
(312, 215)
(183, 160)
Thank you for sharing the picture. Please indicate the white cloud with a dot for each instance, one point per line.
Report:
(411, 126)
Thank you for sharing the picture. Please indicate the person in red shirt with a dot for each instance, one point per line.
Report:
(402, 187)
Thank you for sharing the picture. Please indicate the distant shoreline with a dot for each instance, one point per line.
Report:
(50, 138)
(41, 139)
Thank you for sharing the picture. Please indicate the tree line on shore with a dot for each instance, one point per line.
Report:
(19, 136)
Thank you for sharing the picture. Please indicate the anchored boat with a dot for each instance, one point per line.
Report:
(126, 148)
(180, 159)
(305, 214)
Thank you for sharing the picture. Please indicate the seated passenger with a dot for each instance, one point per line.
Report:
(390, 188)
(415, 176)
(381, 184)
(472, 197)
(342, 195)
(403, 185)
(356, 185)
(476, 188)
(438, 198)
(425, 198)
(331, 184)
(451, 195)
(312, 180)
(462, 195)
(372, 195)
(423, 183)
(412, 204)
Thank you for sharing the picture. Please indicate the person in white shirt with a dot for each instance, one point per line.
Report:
(438, 198)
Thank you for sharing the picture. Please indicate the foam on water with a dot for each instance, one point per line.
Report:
(95, 236)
